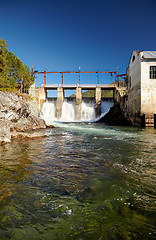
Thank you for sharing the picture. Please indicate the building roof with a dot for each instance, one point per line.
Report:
(149, 54)
(144, 55)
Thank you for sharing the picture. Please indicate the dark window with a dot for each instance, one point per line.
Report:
(133, 58)
(152, 72)
(130, 82)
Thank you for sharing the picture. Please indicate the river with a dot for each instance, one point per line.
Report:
(84, 181)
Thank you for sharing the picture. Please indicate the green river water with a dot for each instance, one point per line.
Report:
(84, 181)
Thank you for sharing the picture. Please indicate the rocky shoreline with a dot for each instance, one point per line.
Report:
(19, 117)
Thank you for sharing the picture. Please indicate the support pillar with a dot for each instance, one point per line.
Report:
(60, 98)
(78, 103)
(98, 101)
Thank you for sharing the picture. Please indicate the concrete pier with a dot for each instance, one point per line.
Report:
(98, 101)
(60, 99)
(42, 95)
(78, 103)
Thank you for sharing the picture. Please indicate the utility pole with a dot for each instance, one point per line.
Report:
(79, 76)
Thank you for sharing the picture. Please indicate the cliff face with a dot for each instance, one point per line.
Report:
(17, 114)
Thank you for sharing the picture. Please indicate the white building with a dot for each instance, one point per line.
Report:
(141, 88)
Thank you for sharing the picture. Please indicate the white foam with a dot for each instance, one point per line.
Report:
(68, 111)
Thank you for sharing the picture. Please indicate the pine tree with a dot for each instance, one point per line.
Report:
(14, 75)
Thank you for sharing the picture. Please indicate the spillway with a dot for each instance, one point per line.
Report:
(69, 108)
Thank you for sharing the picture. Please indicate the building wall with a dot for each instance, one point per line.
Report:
(134, 89)
(148, 88)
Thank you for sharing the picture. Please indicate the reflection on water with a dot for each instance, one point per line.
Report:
(82, 182)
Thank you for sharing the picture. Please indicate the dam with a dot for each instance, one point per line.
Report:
(78, 100)
(77, 104)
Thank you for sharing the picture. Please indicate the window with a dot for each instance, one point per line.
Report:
(133, 58)
(130, 82)
(152, 72)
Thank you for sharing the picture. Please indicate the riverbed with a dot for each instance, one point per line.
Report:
(82, 181)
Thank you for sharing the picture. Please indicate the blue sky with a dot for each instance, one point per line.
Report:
(65, 35)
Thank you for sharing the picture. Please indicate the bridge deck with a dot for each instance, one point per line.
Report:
(83, 86)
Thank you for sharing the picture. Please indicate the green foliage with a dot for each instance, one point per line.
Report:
(91, 93)
(14, 74)
(104, 93)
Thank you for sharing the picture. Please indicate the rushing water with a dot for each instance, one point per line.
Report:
(69, 108)
(84, 181)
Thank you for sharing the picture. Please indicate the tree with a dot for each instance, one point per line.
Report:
(3, 53)
(14, 75)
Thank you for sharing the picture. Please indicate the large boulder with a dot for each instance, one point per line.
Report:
(13, 107)
(18, 113)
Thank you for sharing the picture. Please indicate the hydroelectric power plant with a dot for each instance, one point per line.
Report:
(135, 96)
(74, 108)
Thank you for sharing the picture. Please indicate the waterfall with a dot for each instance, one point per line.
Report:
(48, 112)
(68, 111)
(87, 111)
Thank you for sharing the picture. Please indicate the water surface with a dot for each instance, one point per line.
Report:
(84, 181)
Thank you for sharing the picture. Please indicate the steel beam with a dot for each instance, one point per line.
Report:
(44, 78)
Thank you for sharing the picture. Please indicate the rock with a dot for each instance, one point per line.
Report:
(34, 135)
(28, 124)
(114, 116)
(5, 135)
(50, 126)
(18, 114)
